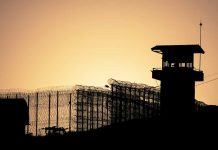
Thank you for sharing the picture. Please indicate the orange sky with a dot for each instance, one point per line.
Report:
(65, 42)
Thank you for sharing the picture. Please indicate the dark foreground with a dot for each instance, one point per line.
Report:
(199, 130)
(136, 132)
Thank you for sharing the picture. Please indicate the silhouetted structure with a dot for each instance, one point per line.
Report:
(177, 77)
(14, 116)
(98, 107)
(83, 108)
(133, 101)
(92, 107)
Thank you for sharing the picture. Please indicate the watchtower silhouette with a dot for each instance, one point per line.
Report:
(177, 76)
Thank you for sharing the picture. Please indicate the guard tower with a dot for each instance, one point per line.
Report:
(177, 76)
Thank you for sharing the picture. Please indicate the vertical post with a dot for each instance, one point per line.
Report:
(148, 110)
(49, 109)
(16, 96)
(130, 105)
(200, 45)
(125, 101)
(116, 105)
(102, 109)
(143, 106)
(200, 32)
(120, 104)
(107, 104)
(28, 106)
(77, 110)
(139, 104)
(70, 113)
(82, 110)
(37, 98)
(97, 108)
(87, 111)
(135, 104)
(112, 103)
(92, 102)
(57, 109)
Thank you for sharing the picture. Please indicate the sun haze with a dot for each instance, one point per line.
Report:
(64, 42)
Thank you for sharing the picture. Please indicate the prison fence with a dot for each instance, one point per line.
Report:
(82, 108)
(47, 108)
(98, 107)
(92, 107)
(133, 101)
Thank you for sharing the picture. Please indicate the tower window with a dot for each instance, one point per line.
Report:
(165, 64)
(189, 65)
(181, 64)
(172, 64)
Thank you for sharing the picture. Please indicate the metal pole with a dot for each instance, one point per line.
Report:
(57, 110)
(107, 104)
(112, 103)
(102, 109)
(125, 105)
(139, 104)
(97, 108)
(82, 110)
(87, 112)
(70, 113)
(77, 111)
(144, 103)
(148, 110)
(130, 106)
(49, 109)
(134, 106)
(91, 110)
(116, 106)
(37, 98)
(200, 45)
(120, 104)
(28, 106)
(92, 101)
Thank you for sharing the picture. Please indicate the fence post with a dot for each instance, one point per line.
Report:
(70, 113)
(28, 106)
(49, 110)
(102, 109)
(87, 111)
(77, 109)
(97, 107)
(57, 109)
(37, 99)
(130, 105)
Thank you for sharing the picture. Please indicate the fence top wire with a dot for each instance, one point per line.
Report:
(91, 89)
(53, 90)
(131, 85)
(72, 89)
(42, 91)
(13, 91)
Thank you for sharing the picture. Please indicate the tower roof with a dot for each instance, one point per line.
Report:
(178, 48)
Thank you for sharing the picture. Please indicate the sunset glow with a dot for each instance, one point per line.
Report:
(66, 42)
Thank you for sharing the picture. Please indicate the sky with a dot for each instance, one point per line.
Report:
(46, 43)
